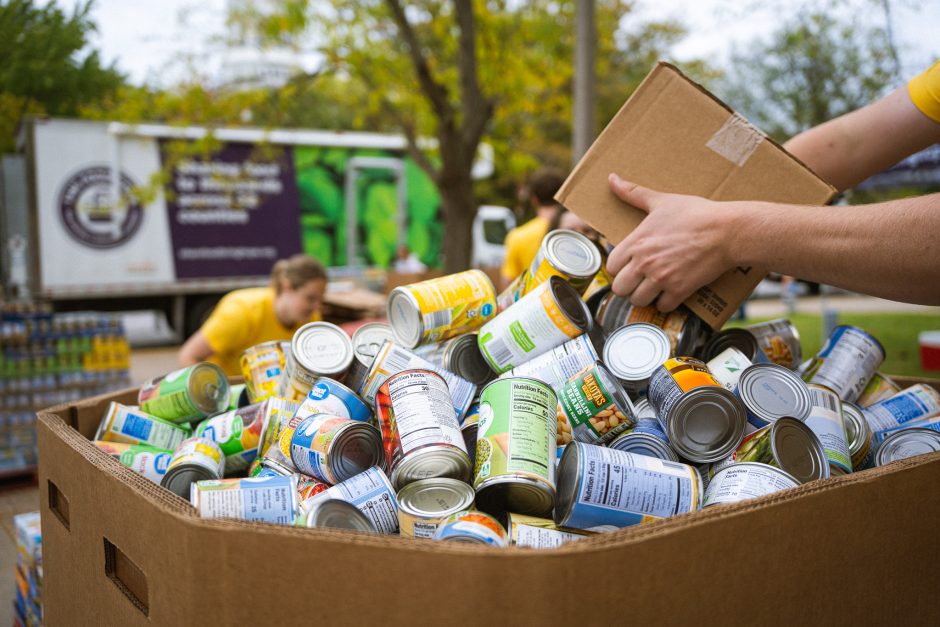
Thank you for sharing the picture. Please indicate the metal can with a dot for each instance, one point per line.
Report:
(131, 426)
(539, 533)
(640, 443)
(915, 403)
(331, 397)
(769, 391)
(318, 349)
(686, 331)
(704, 421)
(186, 394)
(367, 340)
(277, 413)
(727, 367)
(420, 433)
(441, 308)
(742, 482)
(595, 406)
(779, 340)
(559, 364)
(422, 505)
(742, 339)
(826, 421)
(393, 359)
(786, 443)
(879, 388)
(515, 460)
(846, 363)
(371, 493)
(472, 527)
(469, 429)
(600, 486)
(195, 459)
(265, 499)
(907, 443)
(337, 514)
(238, 396)
(149, 461)
(262, 366)
(237, 433)
(924, 423)
(460, 355)
(271, 468)
(634, 352)
(612, 312)
(333, 449)
(543, 319)
(308, 487)
(563, 253)
(860, 436)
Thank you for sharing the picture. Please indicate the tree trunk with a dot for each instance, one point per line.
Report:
(459, 209)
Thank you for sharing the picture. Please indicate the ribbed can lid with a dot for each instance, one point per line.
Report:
(634, 351)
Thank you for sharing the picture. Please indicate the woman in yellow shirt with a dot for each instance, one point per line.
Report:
(246, 317)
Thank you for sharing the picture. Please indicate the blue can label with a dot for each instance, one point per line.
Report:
(137, 426)
(329, 397)
(267, 499)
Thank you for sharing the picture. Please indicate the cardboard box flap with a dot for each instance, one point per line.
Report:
(673, 136)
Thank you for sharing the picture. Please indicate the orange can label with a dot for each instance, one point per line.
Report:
(689, 373)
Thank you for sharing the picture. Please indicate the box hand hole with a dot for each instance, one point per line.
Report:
(59, 505)
(127, 576)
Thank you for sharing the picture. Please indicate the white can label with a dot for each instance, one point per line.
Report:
(825, 420)
(541, 538)
(727, 367)
(423, 413)
(372, 495)
(269, 499)
(558, 365)
(914, 403)
(741, 482)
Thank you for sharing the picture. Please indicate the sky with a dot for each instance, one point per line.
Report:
(148, 39)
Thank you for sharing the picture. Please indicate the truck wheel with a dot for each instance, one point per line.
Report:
(197, 312)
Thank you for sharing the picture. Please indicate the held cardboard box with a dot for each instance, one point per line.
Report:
(118, 550)
(673, 136)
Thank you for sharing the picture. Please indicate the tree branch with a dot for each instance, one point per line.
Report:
(478, 109)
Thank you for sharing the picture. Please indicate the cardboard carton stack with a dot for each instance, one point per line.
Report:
(28, 604)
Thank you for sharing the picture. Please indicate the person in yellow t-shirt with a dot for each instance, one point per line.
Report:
(246, 317)
(522, 243)
(888, 249)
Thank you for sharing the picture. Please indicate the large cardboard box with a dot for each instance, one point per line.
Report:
(674, 136)
(118, 550)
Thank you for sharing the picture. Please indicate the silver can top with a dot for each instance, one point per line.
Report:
(644, 444)
(405, 317)
(857, 429)
(465, 359)
(798, 450)
(706, 424)
(368, 339)
(432, 462)
(435, 498)
(741, 339)
(337, 514)
(356, 448)
(572, 253)
(907, 443)
(516, 493)
(644, 409)
(634, 351)
(322, 348)
(771, 391)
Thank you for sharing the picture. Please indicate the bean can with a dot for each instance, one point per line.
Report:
(603, 487)
(424, 504)
(132, 426)
(333, 449)
(371, 493)
(846, 363)
(420, 432)
(186, 394)
(560, 364)
(262, 366)
(441, 308)
(195, 459)
(237, 432)
(742, 482)
(543, 319)
(634, 352)
(472, 527)
(266, 499)
(779, 340)
(318, 349)
(145, 460)
(595, 406)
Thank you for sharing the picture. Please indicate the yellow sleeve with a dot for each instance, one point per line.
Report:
(925, 92)
(512, 266)
(229, 328)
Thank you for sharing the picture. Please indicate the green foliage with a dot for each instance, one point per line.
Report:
(47, 65)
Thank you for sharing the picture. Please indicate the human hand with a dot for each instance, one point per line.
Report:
(684, 243)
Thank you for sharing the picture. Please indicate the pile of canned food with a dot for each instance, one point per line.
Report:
(534, 417)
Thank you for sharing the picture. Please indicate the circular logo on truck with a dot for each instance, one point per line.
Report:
(90, 214)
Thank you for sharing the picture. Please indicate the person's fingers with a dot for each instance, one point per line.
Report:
(626, 281)
(645, 293)
(670, 300)
(618, 258)
(633, 194)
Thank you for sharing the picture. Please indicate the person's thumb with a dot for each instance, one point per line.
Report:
(631, 193)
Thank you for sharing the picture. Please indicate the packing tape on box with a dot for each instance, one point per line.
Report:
(736, 140)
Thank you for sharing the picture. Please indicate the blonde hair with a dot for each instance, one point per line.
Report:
(298, 269)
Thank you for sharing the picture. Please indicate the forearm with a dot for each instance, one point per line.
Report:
(888, 249)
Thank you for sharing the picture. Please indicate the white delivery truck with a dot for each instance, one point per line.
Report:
(114, 216)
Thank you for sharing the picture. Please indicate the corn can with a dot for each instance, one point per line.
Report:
(277, 413)
(333, 448)
(195, 459)
(186, 394)
(262, 366)
(237, 433)
(318, 349)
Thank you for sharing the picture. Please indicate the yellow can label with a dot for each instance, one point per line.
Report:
(559, 319)
(689, 373)
(454, 304)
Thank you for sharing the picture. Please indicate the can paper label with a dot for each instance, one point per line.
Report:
(928, 423)
(878, 389)
(590, 409)
(262, 367)
(277, 412)
(310, 445)
(914, 403)
(846, 363)
(372, 495)
(264, 499)
(455, 304)
(727, 367)
(135, 427)
(145, 460)
(676, 377)
(826, 421)
(201, 452)
(740, 483)
(558, 365)
(168, 396)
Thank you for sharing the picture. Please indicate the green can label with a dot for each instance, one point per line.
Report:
(517, 430)
(168, 396)
(590, 409)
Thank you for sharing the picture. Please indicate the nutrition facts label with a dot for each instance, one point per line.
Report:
(270, 500)
(371, 494)
(635, 483)
(422, 410)
(560, 364)
(848, 360)
(540, 538)
(745, 481)
(826, 422)
(532, 423)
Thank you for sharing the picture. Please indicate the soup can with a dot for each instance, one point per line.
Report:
(472, 527)
(469, 429)
(460, 355)
(907, 443)
(237, 433)
(424, 504)
(879, 388)
(768, 392)
(331, 397)
(265, 499)
(742, 339)
(640, 443)
(749, 480)
(420, 432)
(515, 458)
(337, 514)
(915, 403)
(186, 394)
(779, 340)
(847, 362)
(826, 421)
(132, 426)
(704, 421)
(601, 487)
(277, 413)
(145, 460)
(595, 406)
(333, 449)
(860, 436)
(367, 340)
(788, 444)
(543, 319)
(441, 308)
(539, 533)
(563, 253)
(560, 364)
(195, 459)
(262, 366)
(727, 367)
(318, 349)
(634, 352)
(371, 493)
